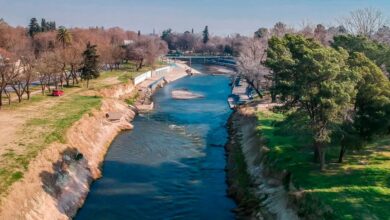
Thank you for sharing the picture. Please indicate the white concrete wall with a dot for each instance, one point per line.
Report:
(161, 71)
(139, 79)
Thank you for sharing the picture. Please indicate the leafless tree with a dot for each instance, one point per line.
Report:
(364, 22)
(320, 34)
(250, 63)
(280, 29)
(7, 74)
(383, 35)
(146, 49)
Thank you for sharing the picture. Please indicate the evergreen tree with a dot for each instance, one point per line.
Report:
(44, 25)
(89, 69)
(33, 27)
(206, 35)
(370, 116)
(315, 81)
(262, 32)
(52, 26)
(139, 33)
(377, 52)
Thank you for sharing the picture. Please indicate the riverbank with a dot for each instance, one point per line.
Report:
(282, 180)
(57, 178)
(358, 188)
(259, 192)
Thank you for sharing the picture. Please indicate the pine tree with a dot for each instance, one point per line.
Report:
(44, 25)
(206, 35)
(33, 27)
(90, 68)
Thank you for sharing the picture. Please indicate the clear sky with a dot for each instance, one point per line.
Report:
(222, 16)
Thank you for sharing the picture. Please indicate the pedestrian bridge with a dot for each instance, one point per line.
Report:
(198, 57)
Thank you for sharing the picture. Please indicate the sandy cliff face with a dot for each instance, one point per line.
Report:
(57, 181)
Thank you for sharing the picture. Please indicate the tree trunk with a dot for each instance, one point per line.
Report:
(342, 152)
(320, 151)
(140, 64)
(28, 91)
(322, 159)
(1, 98)
(316, 158)
(87, 83)
(8, 96)
(273, 97)
(254, 87)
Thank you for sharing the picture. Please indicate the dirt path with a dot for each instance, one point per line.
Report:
(12, 120)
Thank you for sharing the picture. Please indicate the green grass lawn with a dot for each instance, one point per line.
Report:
(357, 189)
(40, 132)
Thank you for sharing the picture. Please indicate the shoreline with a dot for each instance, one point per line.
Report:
(57, 181)
(259, 191)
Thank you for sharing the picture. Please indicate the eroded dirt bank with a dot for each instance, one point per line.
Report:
(258, 190)
(58, 179)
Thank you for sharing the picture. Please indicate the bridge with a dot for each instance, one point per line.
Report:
(198, 57)
(228, 61)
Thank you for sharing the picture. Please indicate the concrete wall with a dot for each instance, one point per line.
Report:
(139, 79)
(147, 75)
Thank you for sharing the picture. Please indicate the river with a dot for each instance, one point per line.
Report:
(172, 164)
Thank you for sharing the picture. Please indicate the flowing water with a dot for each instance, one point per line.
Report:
(171, 166)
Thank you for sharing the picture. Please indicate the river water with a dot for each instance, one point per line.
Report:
(172, 165)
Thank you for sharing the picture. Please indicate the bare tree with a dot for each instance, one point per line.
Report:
(320, 34)
(383, 35)
(146, 49)
(280, 29)
(7, 74)
(364, 22)
(250, 63)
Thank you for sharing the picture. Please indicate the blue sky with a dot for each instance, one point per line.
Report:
(222, 16)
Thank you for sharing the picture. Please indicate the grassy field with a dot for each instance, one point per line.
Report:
(52, 116)
(38, 133)
(357, 189)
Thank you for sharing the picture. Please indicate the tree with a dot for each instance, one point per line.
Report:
(377, 52)
(250, 63)
(261, 33)
(279, 29)
(44, 25)
(90, 69)
(383, 35)
(370, 115)
(34, 27)
(364, 22)
(372, 100)
(146, 49)
(64, 36)
(320, 34)
(313, 80)
(206, 35)
(7, 74)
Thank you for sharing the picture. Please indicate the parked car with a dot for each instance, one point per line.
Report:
(57, 93)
